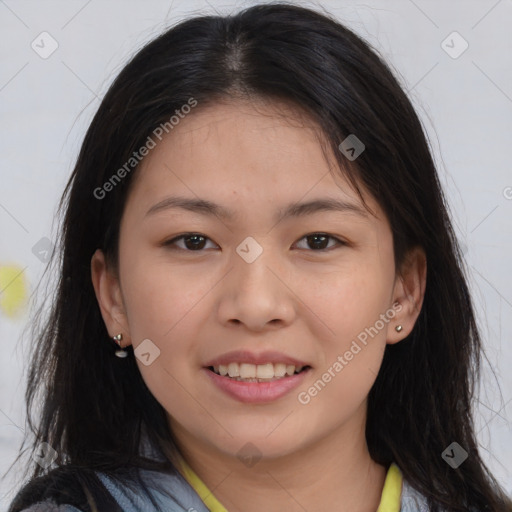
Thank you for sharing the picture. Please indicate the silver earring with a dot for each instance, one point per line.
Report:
(398, 328)
(121, 352)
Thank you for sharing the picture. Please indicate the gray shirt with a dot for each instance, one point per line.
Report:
(174, 494)
(183, 498)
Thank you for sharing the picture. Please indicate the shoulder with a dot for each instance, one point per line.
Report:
(72, 490)
(50, 506)
(64, 489)
(412, 500)
(170, 492)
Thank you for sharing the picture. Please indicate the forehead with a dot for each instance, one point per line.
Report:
(259, 151)
(250, 133)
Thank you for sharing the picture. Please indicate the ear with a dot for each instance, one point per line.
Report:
(409, 292)
(109, 297)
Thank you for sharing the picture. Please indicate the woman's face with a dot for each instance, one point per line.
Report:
(273, 280)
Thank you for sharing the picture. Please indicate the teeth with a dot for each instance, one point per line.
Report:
(242, 371)
(264, 371)
(247, 371)
(279, 369)
(233, 370)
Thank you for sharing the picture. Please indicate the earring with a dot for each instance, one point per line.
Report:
(398, 328)
(121, 352)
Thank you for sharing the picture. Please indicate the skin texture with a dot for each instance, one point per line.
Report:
(307, 300)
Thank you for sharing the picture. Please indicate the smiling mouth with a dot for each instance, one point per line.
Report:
(257, 373)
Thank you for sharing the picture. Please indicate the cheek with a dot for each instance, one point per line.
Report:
(158, 295)
(352, 305)
(352, 299)
(352, 352)
(160, 307)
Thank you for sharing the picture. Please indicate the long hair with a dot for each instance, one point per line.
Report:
(95, 406)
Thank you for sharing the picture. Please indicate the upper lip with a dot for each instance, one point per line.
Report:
(244, 356)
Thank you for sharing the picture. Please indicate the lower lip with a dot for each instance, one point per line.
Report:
(257, 392)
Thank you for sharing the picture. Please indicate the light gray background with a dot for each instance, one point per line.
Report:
(465, 104)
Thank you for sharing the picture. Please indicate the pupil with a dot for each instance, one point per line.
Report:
(194, 237)
(322, 243)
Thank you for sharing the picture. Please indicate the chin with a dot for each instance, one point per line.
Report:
(256, 447)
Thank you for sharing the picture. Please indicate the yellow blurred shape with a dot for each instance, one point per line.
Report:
(13, 290)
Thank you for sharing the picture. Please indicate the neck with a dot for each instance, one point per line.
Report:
(334, 473)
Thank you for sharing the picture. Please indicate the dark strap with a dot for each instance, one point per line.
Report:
(78, 487)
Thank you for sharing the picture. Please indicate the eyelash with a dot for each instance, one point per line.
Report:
(171, 243)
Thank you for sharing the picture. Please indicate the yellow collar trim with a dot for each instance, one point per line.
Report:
(211, 502)
(389, 502)
(392, 490)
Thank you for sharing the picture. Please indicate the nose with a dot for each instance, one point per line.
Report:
(257, 294)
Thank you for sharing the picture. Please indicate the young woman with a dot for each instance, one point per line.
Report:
(262, 304)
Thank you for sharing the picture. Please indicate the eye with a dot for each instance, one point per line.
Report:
(318, 240)
(195, 242)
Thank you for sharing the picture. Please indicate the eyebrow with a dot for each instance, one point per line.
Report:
(209, 208)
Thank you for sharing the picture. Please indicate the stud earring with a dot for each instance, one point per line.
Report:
(398, 328)
(121, 352)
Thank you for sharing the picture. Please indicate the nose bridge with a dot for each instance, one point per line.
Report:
(253, 260)
(255, 296)
(250, 250)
